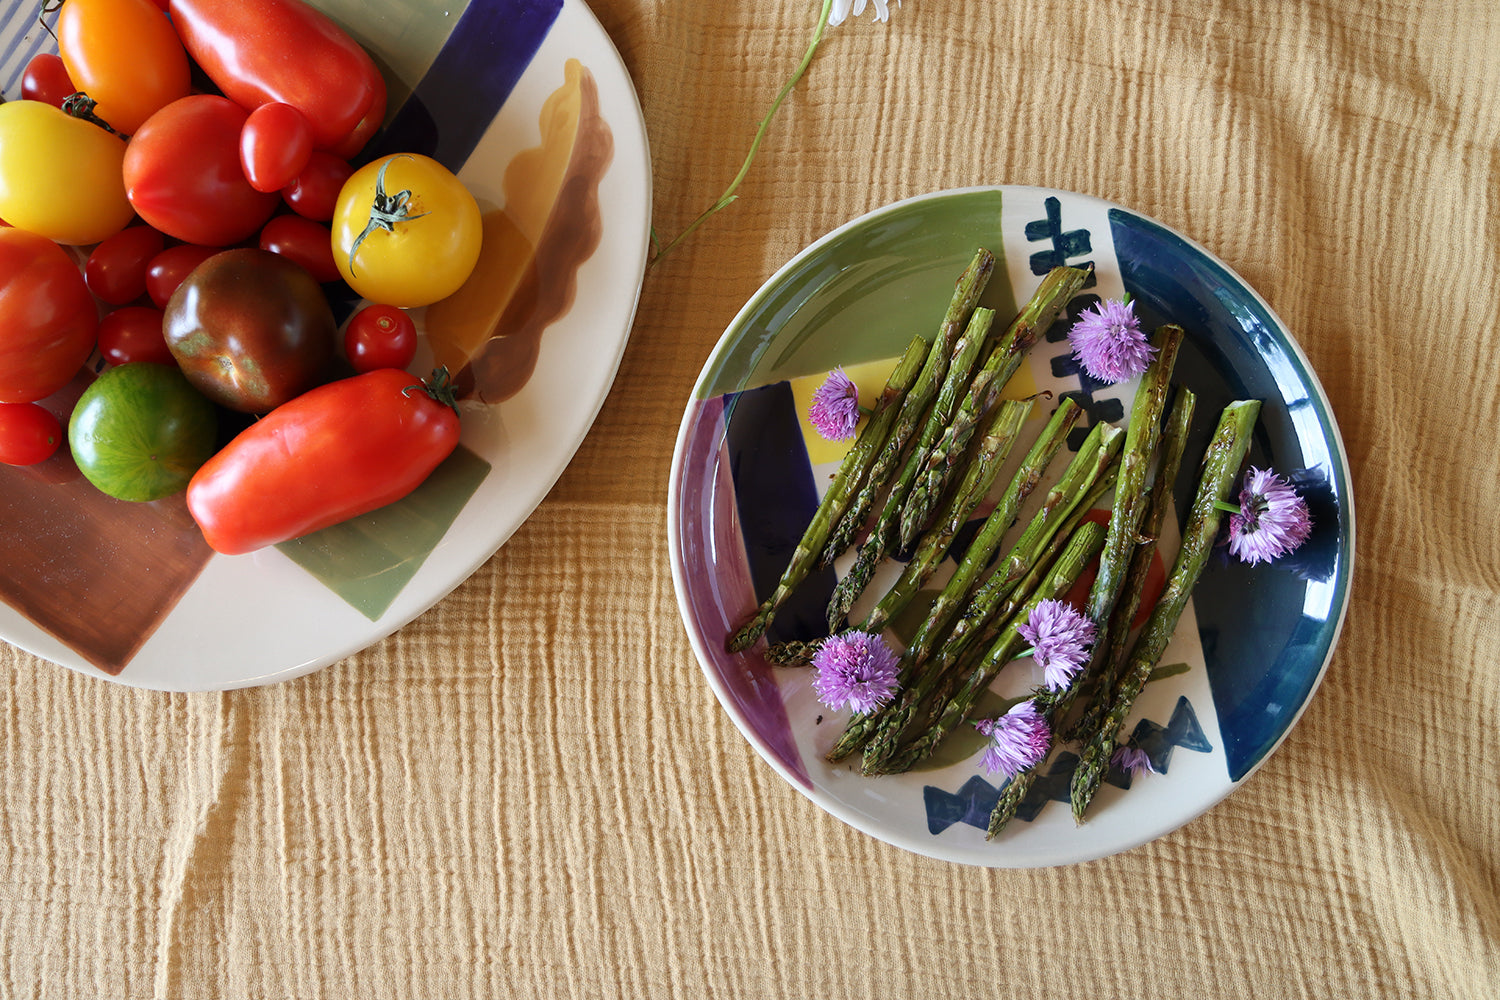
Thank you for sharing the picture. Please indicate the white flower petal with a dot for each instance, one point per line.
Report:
(840, 11)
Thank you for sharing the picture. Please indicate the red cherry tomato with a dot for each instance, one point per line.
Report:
(380, 336)
(116, 270)
(275, 145)
(134, 333)
(28, 433)
(304, 241)
(183, 176)
(314, 192)
(168, 268)
(46, 79)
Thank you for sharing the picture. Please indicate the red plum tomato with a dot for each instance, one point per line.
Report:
(46, 79)
(380, 336)
(28, 433)
(116, 269)
(134, 333)
(47, 317)
(314, 192)
(275, 145)
(168, 268)
(183, 176)
(304, 241)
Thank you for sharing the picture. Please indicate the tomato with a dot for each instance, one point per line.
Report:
(285, 51)
(47, 317)
(46, 79)
(304, 241)
(251, 329)
(168, 268)
(314, 192)
(405, 231)
(134, 333)
(28, 433)
(59, 175)
(182, 173)
(380, 336)
(275, 145)
(125, 55)
(116, 269)
(339, 451)
(141, 431)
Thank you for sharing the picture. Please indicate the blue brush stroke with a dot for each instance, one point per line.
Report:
(452, 106)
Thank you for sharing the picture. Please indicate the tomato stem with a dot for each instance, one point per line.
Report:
(439, 388)
(385, 211)
(81, 105)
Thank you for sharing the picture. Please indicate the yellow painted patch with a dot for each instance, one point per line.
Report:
(870, 378)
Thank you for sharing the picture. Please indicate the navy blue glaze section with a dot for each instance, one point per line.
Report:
(474, 72)
(1266, 630)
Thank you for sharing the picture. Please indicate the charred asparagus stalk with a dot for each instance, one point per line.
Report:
(1221, 465)
(934, 370)
(1053, 294)
(835, 500)
(883, 534)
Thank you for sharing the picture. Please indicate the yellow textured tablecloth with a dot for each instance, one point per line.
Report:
(531, 790)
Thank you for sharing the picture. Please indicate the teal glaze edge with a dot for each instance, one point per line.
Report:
(859, 277)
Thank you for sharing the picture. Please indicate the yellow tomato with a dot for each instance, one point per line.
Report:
(60, 176)
(406, 232)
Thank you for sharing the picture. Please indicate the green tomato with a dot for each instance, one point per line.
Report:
(141, 431)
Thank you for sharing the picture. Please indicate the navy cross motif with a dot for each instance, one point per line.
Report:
(1066, 244)
(974, 801)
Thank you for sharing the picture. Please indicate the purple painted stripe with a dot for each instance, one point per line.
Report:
(478, 66)
(720, 592)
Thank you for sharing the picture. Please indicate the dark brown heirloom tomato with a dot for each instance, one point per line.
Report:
(251, 330)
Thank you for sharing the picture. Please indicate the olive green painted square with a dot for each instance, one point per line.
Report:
(368, 560)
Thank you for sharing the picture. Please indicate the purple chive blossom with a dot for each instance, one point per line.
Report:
(1019, 739)
(1060, 638)
(1107, 339)
(1271, 521)
(857, 670)
(1133, 759)
(835, 407)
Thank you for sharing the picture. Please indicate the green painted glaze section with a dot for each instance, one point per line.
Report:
(402, 36)
(864, 293)
(366, 561)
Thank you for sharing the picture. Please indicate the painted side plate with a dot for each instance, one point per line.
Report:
(747, 474)
(529, 102)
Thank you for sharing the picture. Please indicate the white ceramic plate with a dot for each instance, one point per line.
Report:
(261, 617)
(747, 474)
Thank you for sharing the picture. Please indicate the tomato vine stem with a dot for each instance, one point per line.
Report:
(385, 211)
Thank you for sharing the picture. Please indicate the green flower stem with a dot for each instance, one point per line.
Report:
(728, 197)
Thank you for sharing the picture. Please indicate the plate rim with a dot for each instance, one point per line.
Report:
(809, 788)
